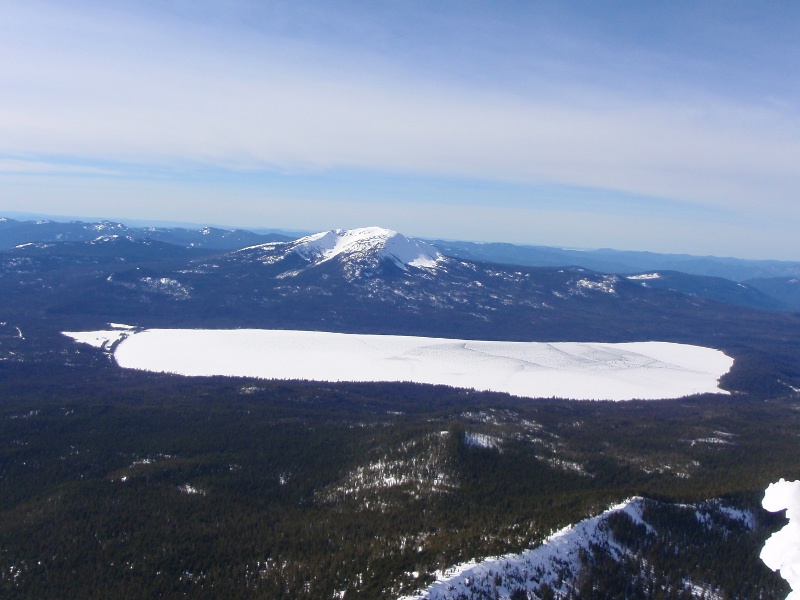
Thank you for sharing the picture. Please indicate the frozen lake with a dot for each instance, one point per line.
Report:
(645, 370)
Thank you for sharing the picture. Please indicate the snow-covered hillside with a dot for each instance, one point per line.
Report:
(556, 563)
(554, 568)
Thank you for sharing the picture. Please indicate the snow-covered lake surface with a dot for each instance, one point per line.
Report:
(644, 370)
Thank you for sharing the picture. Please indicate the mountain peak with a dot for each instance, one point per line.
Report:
(367, 243)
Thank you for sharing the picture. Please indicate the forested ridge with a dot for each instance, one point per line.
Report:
(126, 484)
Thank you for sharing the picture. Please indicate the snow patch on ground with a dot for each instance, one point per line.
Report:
(417, 467)
(481, 440)
(644, 276)
(191, 490)
(782, 550)
(605, 285)
(644, 370)
(564, 465)
(165, 286)
(156, 285)
(705, 510)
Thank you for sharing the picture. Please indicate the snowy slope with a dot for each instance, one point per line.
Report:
(555, 563)
(355, 250)
(365, 243)
(560, 561)
(782, 550)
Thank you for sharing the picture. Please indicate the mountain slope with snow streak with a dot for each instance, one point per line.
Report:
(605, 554)
(556, 563)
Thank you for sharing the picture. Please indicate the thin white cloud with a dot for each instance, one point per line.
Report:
(18, 166)
(277, 118)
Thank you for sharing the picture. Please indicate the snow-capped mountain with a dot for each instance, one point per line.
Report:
(358, 251)
(368, 244)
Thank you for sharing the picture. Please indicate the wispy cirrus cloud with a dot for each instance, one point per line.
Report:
(34, 167)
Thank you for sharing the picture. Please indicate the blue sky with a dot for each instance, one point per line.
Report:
(664, 126)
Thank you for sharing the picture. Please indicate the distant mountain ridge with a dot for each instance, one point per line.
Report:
(713, 288)
(695, 276)
(13, 233)
(619, 261)
(784, 289)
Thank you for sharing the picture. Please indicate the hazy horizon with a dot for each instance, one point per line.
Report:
(25, 216)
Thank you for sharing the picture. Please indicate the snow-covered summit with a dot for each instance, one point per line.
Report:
(367, 243)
